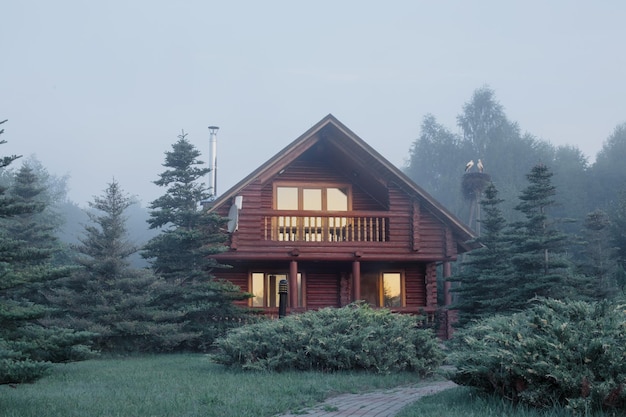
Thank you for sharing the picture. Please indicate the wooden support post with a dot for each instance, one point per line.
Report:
(451, 317)
(356, 280)
(293, 284)
(447, 272)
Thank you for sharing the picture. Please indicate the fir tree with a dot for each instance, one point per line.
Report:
(598, 257)
(618, 238)
(539, 267)
(108, 297)
(483, 286)
(180, 252)
(26, 345)
(187, 233)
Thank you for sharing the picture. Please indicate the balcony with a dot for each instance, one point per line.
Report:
(325, 227)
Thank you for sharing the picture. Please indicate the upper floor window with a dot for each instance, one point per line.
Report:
(312, 197)
(327, 216)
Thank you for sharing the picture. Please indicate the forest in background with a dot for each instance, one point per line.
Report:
(438, 157)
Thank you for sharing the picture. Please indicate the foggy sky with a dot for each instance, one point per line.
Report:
(100, 90)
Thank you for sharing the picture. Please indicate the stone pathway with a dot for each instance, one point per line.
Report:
(372, 404)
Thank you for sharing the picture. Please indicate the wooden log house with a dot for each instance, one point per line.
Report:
(340, 223)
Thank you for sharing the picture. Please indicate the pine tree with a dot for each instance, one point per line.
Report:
(180, 252)
(483, 286)
(108, 297)
(537, 257)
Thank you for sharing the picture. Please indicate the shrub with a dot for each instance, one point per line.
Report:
(556, 352)
(355, 337)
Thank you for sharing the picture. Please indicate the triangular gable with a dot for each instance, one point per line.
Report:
(349, 145)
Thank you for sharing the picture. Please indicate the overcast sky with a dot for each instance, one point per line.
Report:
(101, 89)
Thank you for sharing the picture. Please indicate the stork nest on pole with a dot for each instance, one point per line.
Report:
(473, 184)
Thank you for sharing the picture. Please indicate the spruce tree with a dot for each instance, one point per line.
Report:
(597, 260)
(26, 344)
(539, 266)
(15, 364)
(108, 297)
(180, 252)
(483, 286)
(36, 228)
(617, 229)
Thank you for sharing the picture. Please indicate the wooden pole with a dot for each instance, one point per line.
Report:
(356, 280)
(293, 284)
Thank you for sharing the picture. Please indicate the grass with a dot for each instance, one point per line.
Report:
(178, 385)
(463, 402)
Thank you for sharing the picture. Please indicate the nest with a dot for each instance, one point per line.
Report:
(473, 184)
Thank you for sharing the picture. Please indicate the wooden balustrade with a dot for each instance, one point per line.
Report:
(326, 228)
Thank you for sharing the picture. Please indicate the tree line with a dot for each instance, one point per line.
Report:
(65, 302)
(550, 224)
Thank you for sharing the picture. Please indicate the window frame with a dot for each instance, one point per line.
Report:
(301, 186)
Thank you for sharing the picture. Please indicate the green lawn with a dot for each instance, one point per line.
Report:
(462, 402)
(177, 385)
(189, 386)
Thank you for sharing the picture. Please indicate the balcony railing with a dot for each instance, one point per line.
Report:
(326, 228)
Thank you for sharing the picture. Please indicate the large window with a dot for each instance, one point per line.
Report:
(385, 289)
(328, 200)
(313, 198)
(264, 286)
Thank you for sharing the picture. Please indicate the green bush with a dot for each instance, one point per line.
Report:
(556, 352)
(355, 337)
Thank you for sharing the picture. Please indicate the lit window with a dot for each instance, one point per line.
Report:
(337, 199)
(384, 289)
(265, 286)
(392, 289)
(287, 198)
(308, 228)
(312, 198)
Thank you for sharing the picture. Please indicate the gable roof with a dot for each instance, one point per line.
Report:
(359, 161)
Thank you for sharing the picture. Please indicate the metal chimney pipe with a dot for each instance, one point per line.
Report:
(213, 160)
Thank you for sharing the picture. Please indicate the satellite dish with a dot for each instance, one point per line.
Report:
(233, 218)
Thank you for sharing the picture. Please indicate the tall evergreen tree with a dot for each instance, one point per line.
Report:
(108, 297)
(539, 266)
(26, 344)
(36, 228)
(180, 252)
(598, 257)
(617, 229)
(571, 178)
(483, 286)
